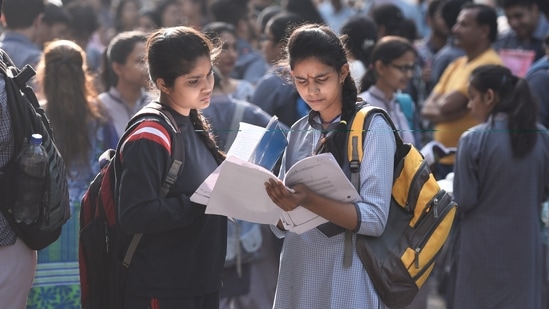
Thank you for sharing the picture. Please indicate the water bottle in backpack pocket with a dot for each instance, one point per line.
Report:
(31, 181)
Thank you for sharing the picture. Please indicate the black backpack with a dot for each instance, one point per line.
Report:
(28, 117)
(105, 251)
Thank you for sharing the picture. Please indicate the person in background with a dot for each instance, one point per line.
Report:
(148, 21)
(528, 27)
(23, 19)
(307, 9)
(55, 24)
(538, 80)
(237, 88)
(250, 64)
(126, 15)
(249, 276)
(361, 36)
(391, 21)
(84, 25)
(498, 245)
(180, 257)
(336, 13)
(449, 12)
(170, 13)
(82, 133)
(446, 106)
(392, 60)
(125, 77)
(18, 261)
(195, 13)
(312, 272)
(273, 93)
(426, 49)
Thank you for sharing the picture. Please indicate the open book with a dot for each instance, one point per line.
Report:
(239, 191)
(257, 145)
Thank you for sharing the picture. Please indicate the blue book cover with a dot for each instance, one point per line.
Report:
(271, 146)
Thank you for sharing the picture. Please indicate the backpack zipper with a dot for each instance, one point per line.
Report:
(425, 238)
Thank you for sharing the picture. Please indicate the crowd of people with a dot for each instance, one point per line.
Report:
(473, 75)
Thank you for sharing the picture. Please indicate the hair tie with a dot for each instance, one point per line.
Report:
(343, 122)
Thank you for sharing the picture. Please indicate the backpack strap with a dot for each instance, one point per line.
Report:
(355, 151)
(357, 133)
(178, 158)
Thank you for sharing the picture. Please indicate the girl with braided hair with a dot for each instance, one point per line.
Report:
(312, 272)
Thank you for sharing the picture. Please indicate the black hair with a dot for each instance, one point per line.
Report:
(54, 13)
(505, 4)
(386, 50)
(450, 12)
(486, 15)
(433, 7)
(266, 14)
(515, 100)
(161, 7)
(174, 51)
(389, 16)
(360, 36)
(282, 24)
(118, 50)
(118, 13)
(304, 8)
(214, 29)
(320, 42)
(84, 20)
(229, 11)
(21, 14)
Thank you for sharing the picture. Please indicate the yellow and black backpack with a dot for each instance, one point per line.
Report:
(420, 218)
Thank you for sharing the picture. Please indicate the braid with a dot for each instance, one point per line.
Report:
(336, 142)
(201, 126)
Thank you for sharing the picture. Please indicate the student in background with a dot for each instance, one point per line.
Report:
(82, 133)
(313, 273)
(180, 258)
(393, 62)
(250, 64)
(249, 276)
(22, 19)
(125, 77)
(498, 246)
(238, 88)
(273, 93)
(361, 32)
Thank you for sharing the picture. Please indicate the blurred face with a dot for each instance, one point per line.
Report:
(480, 104)
(270, 49)
(192, 90)
(467, 32)
(52, 32)
(190, 7)
(134, 71)
(227, 58)
(396, 75)
(146, 24)
(522, 19)
(438, 25)
(129, 15)
(172, 16)
(320, 86)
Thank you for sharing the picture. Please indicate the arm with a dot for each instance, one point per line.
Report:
(376, 173)
(445, 107)
(141, 208)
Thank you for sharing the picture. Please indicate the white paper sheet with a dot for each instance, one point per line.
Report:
(239, 191)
